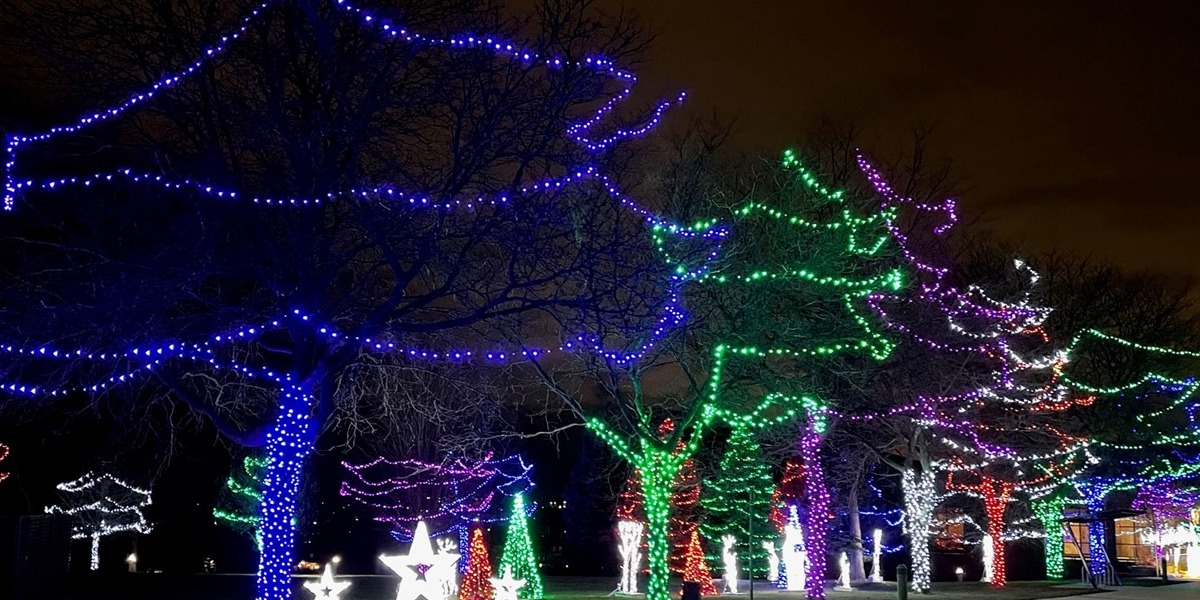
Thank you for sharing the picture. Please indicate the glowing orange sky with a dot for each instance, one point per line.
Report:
(1075, 124)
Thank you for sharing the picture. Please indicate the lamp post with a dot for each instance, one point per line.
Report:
(750, 542)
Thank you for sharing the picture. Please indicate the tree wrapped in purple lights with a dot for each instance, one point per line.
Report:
(318, 185)
(452, 498)
(1000, 430)
(1170, 505)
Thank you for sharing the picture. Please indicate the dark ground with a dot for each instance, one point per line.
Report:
(151, 586)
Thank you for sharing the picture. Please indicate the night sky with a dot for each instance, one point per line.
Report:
(1073, 125)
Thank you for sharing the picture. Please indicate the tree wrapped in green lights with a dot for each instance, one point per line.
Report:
(626, 414)
(1048, 508)
(658, 464)
(807, 259)
(738, 502)
(1148, 426)
(518, 554)
(241, 499)
(684, 504)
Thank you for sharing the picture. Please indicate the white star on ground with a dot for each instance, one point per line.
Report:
(422, 573)
(505, 588)
(326, 587)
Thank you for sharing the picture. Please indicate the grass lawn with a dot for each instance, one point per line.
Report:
(156, 586)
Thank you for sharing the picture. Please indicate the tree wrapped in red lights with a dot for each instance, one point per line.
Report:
(1014, 429)
(629, 501)
(685, 508)
(3, 455)
(695, 566)
(789, 491)
(476, 582)
(996, 483)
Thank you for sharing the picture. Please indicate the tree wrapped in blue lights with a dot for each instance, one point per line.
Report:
(316, 186)
(1154, 441)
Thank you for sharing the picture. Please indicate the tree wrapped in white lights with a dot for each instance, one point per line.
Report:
(876, 556)
(1002, 374)
(729, 562)
(795, 556)
(630, 548)
(101, 506)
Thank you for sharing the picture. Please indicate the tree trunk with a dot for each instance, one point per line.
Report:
(858, 571)
(288, 446)
(1049, 512)
(920, 497)
(95, 563)
(1097, 549)
(994, 508)
(818, 517)
(658, 476)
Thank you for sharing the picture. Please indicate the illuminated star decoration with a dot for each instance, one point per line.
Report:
(326, 587)
(422, 572)
(505, 587)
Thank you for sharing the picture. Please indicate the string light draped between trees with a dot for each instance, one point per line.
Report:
(454, 497)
